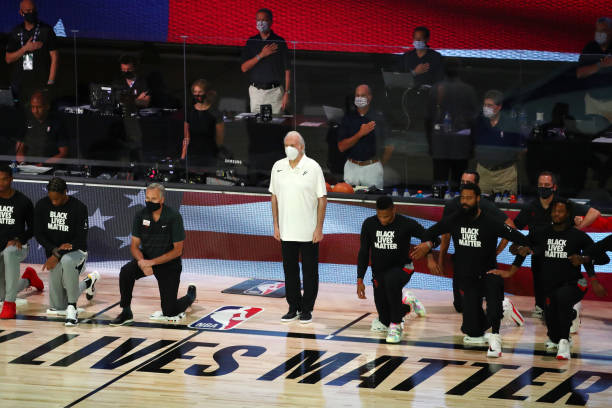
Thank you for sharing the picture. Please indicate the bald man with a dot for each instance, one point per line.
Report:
(359, 134)
(299, 199)
(45, 139)
(32, 52)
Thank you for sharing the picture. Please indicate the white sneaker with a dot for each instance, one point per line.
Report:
(394, 335)
(378, 327)
(62, 312)
(550, 346)
(564, 350)
(576, 322)
(159, 316)
(537, 312)
(71, 316)
(475, 340)
(415, 304)
(91, 290)
(511, 313)
(495, 346)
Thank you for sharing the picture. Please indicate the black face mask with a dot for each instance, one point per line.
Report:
(545, 192)
(128, 74)
(152, 207)
(31, 18)
(199, 98)
(470, 211)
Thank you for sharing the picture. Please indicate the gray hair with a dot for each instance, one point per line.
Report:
(605, 20)
(297, 134)
(494, 95)
(157, 186)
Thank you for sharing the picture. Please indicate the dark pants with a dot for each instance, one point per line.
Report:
(538, 285)
(388, 295)
(457, 295)
(291, 251)
(442, 168)
(475, 321)
(560, 311)
(168, 277)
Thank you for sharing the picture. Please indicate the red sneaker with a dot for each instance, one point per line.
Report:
(31, 275)
(8, 310)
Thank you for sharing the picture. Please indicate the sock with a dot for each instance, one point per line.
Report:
(127, 310)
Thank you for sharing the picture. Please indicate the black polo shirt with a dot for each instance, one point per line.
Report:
(599, 85)
(43, 139)
(18, 37)
(272, 68)
(365, 148)
(158, 237)
(496, 145)
(409, 61)
(535, 216)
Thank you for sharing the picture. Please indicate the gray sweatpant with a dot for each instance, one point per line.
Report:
(10, 282)
(64, 285)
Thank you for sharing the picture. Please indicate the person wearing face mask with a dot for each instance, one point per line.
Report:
(537, 214)
(266, 58)
(475, 235)
(497, 147)
(132, 88)
(299, 199)
(425, 64)
(359, 135)
(204, 128)
(595, 70)
(32, 51)
(158, 236)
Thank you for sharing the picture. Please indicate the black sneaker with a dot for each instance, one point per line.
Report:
(191, 293)
(124, 318)
(290, 316)
(305, 317)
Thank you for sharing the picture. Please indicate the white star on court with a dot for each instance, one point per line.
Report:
(98, 220)
(136, 199)
(125, 241)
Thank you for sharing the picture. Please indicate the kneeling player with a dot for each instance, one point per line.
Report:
(385, 238)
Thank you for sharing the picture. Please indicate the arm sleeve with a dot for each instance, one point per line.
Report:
(343, 129)
(418, 231)
(598, 250)
(363, 258)
(40, 230)
(12, 43)
(521, 219)
(441, 227)
(272, 189)
(52, 40)
(511, 234)
(178, 229)
(136, 225)
(246, 52)
(321, 190)
(28, 212)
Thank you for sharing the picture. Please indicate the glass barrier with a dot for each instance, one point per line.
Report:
(199, 113)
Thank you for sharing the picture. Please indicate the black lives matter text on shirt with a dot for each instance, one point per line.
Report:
(388, 246)
(54, 226)
(158, 237)
(271, 69)
(16, 219)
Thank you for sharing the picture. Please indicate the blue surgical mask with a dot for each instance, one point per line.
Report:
(488, 112)
(419, 45)
(601, 37)
(263, 26)
(361, 101)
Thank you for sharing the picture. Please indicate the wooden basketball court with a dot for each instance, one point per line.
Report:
(334, 361)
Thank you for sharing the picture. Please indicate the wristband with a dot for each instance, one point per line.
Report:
(258, 57)
(55, 252)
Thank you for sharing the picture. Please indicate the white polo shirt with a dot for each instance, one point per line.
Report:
(297, 191)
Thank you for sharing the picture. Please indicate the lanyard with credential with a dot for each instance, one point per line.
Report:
(28, 59)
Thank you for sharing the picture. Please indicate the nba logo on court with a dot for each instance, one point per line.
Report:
(225, 317)
(265, 288)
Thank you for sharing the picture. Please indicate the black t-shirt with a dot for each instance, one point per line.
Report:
(203, 131)
(535, 216)
(18, 37)
(389, 245)
(272, 68)
(410, 59)
(454, 206)
(366, 147)
(552, 249)
(158, 237)
(54, 226)
(599, 85)
(16, 219)
(475, 241)
(43, 139)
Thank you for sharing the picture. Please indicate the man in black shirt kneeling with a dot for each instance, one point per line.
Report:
(157, 245)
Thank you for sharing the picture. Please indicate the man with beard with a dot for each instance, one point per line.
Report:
(559, 248)
(475, 234)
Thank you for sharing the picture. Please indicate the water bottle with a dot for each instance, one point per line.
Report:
(538, 131)
(394, 193)
(520, 199)
(14, 167)
(448, 195)
(406, 193)
(447, 123)
(419, 194)
(498, 197)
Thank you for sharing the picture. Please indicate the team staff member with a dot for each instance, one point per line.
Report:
(537, 214)
(423, 62)
(385, 238)
(266, 58)
(32, 50)
(60, 226)
(558, 245)
(298, 210)
(475, 234)
(157, 245)
(16, 229)
(455, 206)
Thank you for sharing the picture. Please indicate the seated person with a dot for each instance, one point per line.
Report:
(497, 147)
(358, 136)
(204, 127)
(133, 89)
(45, 140)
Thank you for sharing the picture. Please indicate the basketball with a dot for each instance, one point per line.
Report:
(328, 187)
(343, 188)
